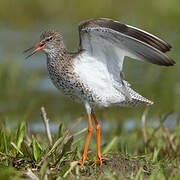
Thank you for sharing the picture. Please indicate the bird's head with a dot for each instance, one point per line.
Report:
(49, 41)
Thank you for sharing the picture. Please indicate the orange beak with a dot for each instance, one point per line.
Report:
(39, 46)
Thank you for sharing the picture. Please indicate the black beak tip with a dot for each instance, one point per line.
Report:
(25, 51)
(26, 57)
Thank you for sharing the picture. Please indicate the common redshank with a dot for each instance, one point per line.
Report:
(93, 75)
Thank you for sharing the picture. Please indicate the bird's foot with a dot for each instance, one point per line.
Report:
(81, 161)
(98, 160)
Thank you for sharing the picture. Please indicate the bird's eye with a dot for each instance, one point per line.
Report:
(49, 38)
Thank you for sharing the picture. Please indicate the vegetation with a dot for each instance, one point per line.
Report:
(142, 153)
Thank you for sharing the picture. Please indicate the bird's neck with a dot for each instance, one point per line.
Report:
(58, 60)
(56, 54)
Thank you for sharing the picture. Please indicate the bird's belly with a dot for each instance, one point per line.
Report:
(72, 86)
(94, 74)
(65, 84)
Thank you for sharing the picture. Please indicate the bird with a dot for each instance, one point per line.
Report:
(93, 75)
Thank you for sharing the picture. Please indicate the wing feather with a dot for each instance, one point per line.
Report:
(134, 42)
(127, 30)
(106, 43)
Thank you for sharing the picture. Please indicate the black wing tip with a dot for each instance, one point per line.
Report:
(167, 47)
(163, 63)
(169, 63)
(172, 63)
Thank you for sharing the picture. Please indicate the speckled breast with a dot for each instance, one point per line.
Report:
(70, 85)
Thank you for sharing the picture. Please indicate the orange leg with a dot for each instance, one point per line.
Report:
(84, 157)
(99, 158)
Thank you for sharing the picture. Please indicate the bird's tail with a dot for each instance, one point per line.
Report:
(133, 98)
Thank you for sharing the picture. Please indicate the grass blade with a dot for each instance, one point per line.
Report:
(18, 150)
(54, 146)
(31, 175)
(138, 175)
(36, 149)
(5, 143)
(111, 145)
(20, 134)
(61, 130)
(72, 165)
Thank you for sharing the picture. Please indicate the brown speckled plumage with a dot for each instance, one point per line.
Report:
(60, 69)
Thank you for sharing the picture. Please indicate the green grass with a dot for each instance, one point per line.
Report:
(143, 153)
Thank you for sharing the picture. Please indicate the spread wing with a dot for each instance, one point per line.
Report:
(110, 41)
